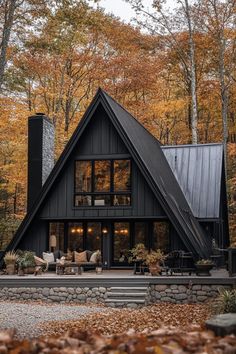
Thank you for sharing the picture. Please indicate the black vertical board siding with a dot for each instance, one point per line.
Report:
(36, 239)
(105, 141)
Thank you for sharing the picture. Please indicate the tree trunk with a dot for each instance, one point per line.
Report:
(10, 7)
(224, 97)
(194, 110)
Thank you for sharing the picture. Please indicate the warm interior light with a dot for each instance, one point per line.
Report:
(73, 231)
(104, 230)
(90, 229)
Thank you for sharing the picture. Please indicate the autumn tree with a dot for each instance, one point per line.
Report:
(160, 21)
(17, 17)
(217, 19)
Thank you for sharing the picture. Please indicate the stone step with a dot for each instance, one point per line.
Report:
(126, 300)
(123, 294)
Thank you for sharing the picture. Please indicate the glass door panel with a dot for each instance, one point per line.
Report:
(75, 236)
(161, 238)
(56, 236)
(121, 243)
(94, 236)
(140, 233)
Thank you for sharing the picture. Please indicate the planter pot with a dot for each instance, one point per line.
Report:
(21, 272)
(29, 270)
(10, 268)
(155, 269)
(99, 270)
(203, 269)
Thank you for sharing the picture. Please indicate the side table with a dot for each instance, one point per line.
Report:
(68, 268)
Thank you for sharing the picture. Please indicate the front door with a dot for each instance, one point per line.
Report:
(121, 243)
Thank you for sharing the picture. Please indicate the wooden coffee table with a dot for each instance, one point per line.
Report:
(68, 268)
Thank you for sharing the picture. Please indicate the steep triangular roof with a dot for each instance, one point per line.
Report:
(147, 154)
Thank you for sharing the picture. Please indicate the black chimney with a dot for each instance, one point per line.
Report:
(40, 154)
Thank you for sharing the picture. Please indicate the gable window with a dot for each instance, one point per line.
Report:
(103, 183)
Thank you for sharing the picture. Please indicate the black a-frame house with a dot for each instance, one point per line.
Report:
(111, 188)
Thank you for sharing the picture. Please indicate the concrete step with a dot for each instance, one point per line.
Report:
(129, 289)
(128, 296)
(136, 301)
(125, 294)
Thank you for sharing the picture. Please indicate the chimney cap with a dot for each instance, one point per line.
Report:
(39, 114)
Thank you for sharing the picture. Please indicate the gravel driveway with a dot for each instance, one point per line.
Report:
(26, 318)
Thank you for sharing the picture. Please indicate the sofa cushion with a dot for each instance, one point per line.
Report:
(89, 254)
(80, 257)
(48, 257)
(56, 254)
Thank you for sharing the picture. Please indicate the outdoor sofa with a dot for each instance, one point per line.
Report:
(86, 261)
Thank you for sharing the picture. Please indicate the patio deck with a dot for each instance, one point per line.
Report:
(112, 278)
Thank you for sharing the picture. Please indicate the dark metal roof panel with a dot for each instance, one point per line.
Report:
(198, 170)
(164, 182)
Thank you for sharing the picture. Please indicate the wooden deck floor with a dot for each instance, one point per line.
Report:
(112, 278)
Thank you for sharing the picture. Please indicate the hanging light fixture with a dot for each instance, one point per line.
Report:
(104, 231)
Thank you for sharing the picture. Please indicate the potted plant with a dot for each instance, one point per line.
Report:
(203, 267)
(138, 256)
(26, 262)
(99, 262)
(10, 259)
(153, 260)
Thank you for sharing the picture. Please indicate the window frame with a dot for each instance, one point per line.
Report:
(110, 193)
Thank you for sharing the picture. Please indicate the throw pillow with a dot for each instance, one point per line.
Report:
(80, 257)
(39, 261)
(48, 257)
(93, 258)
(89, 254)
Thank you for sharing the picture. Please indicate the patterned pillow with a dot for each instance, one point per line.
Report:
(48, 257)
(93, 258)
(80, 257)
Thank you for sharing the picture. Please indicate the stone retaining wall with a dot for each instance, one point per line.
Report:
(183, 293)
(156, 293)
(62, 294)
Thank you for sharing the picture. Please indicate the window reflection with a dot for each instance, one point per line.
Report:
(121, 242)
(102, 172)
(57, 229)
(93, 239)
(75, 237)
(83, 176)
(102, 183)
(122, 175)
(161, 236)
(83, 200)
(141, 232)
(121, 199)
(102, 200)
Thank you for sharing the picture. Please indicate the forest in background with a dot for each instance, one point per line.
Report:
(173, 70)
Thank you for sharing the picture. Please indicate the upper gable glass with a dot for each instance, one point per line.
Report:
(122, 176)
(83, 177)
(102, 176)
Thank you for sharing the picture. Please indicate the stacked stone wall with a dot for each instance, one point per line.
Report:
(180, 294)
(156, 293)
